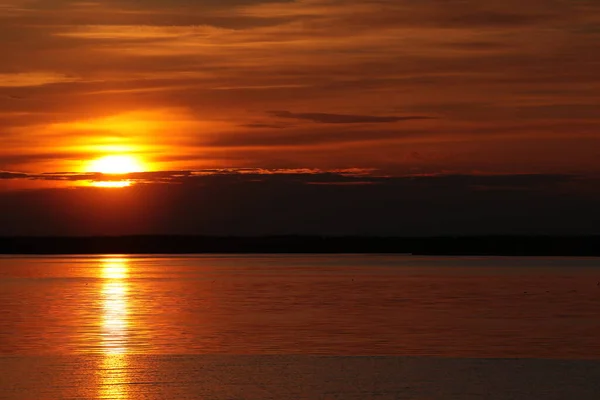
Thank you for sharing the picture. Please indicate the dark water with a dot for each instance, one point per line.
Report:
(174, 327)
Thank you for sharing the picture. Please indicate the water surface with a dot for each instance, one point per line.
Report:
(333, 305)
(299, 327)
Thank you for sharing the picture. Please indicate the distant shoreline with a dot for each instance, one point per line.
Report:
(566, 246)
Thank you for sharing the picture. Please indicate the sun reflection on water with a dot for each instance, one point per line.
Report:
(114, 377)
(114, 295)
(115, 322)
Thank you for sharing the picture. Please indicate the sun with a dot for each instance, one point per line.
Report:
(116, 164)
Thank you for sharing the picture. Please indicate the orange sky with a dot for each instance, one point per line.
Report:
(402, 86)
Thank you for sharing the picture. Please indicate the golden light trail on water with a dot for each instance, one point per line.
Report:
(115, 322)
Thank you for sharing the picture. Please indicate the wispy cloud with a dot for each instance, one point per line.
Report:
(154, 177)
(139, 32)
(26, 79)
(476, 181)
(345, 118)
(356, 83)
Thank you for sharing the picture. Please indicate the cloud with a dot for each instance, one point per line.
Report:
(138, 32)
(514, 83)
(178, 176)
(345, 118)
(25, 79)
(308, 202)
(308, 175)
(260, 125)
(490, 19)
(13, 175)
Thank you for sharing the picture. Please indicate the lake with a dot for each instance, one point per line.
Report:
(299, 326)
